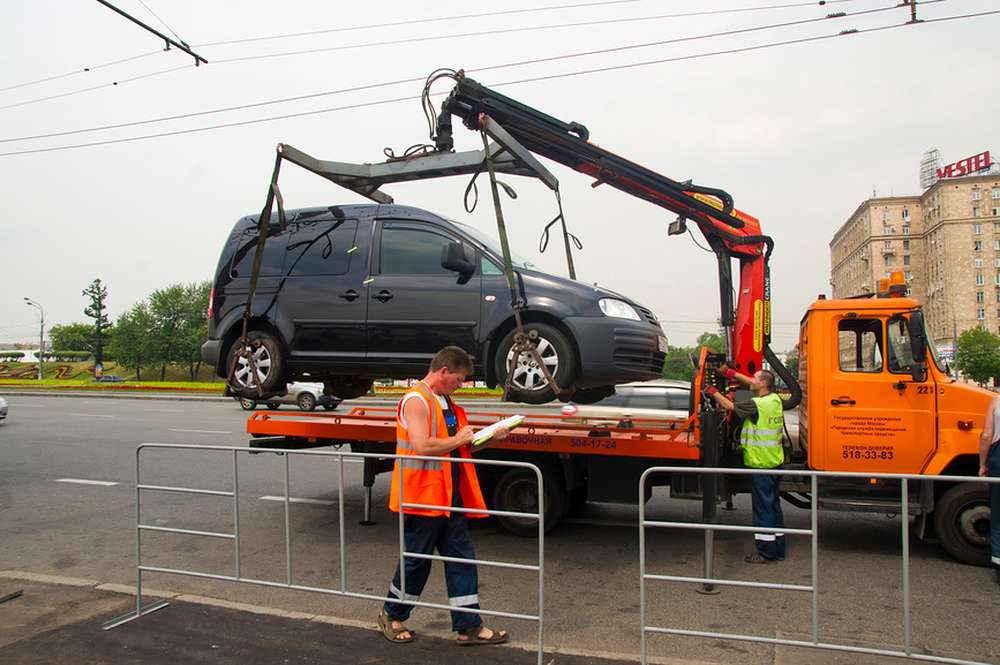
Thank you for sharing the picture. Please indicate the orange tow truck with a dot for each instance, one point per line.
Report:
(871, 394)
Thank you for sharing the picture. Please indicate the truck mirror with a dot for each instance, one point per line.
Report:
(454, 257)
(918, 345)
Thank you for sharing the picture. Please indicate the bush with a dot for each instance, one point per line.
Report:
(11, 355)
(66, 356)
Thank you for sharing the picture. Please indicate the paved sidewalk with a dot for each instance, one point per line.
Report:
(58, 624)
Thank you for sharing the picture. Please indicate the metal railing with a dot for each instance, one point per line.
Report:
(906, 651)
(237, 576)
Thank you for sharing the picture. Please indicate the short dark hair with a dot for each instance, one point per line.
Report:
(767, 376)
(454, 358)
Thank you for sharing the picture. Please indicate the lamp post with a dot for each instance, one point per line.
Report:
(41, 334)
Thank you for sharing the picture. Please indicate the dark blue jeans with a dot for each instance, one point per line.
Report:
(450, 536)
(767, 512)
(993, 471)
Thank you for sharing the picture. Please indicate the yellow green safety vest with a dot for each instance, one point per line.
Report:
(761, 439)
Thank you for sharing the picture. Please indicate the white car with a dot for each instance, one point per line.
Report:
(662, 399)
(306, 395)
(3, 408)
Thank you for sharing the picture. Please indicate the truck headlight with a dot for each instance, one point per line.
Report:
(618, 309)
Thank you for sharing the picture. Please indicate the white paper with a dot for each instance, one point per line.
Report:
(486, 433)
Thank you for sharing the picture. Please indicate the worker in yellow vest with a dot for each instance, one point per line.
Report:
(429, 423)
(761, 439)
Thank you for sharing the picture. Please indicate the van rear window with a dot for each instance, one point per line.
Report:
(274, 254)
(320, 248)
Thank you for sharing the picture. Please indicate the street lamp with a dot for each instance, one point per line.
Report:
(41, 334)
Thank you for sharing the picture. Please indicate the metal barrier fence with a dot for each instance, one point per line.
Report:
(813, 532)
(234, 493)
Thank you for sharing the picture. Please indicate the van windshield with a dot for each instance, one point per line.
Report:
(492, 245)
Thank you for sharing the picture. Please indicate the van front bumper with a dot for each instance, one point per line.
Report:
(616, 350)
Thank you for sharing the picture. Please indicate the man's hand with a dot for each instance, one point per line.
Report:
(711, 391)
(464, 436)
(501, 433)
(982, 470)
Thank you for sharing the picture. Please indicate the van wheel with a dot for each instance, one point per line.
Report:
(962, 523)
(268, 359)
(306, 401)
(529, 384)
(247, 404)
(517, 491)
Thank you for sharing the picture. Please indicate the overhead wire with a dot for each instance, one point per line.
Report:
(165, 25)
(82, 71)
(417, 79)
(583, 72)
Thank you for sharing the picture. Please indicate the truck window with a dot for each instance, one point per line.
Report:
(407, 251)
(900, 354)
(488, 268)
(320, 248)
(860, 345)
(246, 247)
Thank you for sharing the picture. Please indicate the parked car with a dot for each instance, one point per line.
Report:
(109, 378)
(348, 293)
(3, 408)
(307, 396)
(662, 399)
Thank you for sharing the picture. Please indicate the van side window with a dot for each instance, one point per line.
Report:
(320, 248)
(488, 268)
(406, 251)
(246, 248)
(859, 343)
(900, 354)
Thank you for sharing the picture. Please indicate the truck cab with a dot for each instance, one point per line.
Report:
(875, 398)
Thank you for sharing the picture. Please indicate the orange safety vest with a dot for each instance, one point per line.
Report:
(429, 482)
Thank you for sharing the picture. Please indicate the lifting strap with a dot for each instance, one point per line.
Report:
(568, 237)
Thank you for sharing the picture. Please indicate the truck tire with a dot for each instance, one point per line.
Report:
(306, 401)
(247, 404)
(529, 384)
(962, 523)
(516, 490)
(269, 356)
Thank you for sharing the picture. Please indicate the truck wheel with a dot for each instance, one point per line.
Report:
(274, 406)
(962, 523)
(347, 387)
(306, 401)
(269, 361)
(247, 404)
(517, 491)
(529, 384)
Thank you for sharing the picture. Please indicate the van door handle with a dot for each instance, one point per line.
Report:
(349, 295)
(383, 296)
(842, 400)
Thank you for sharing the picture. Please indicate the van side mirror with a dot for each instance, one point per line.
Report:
(454, 256)
(918, 345)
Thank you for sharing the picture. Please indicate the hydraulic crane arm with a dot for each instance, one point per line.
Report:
(729, 232)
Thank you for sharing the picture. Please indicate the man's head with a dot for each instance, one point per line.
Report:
(762, 382)
(449, 370)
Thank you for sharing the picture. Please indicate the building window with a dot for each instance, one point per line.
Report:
(996, 193)
(979, 262)
(996, 213)
(888, 259)
(909, 276)
(980, 313)
(906, 260)
(906, 229)
(886, 230)
(980, 297)
(975, 211)
(977, 245)
(906, 244)
(979, 279)
(976, 194)
(977, 229)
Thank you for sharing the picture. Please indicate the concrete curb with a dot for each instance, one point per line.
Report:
(104, 395)
(127, 590)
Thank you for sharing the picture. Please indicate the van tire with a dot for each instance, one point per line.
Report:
(961, 523)
(516, 490)
(553, 345)
(247, 404)
(306, 401)
(267, 347)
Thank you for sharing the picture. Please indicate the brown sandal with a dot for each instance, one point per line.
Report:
(393, 634)
(472, 636)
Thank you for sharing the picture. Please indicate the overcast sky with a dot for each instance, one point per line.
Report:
(799, 135)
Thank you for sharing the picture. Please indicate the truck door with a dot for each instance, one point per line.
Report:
(415, 306)
(878, 419)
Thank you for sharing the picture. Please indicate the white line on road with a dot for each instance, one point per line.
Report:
(165, 410)
(295, 499)
(83, 481)
(200, 431)
(28, 406)
(89, 415)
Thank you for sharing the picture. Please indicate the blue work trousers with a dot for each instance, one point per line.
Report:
(450, 536)
(767, 512)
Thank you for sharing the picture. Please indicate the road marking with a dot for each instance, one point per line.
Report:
(89, 415)
(28, 406)
(295, 499)
(83, 481)
(165, 410)
(200, 431)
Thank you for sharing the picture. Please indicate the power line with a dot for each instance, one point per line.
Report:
(164, 23)
(95, 87)
(646, 63)
(417, 79)
(82, 71)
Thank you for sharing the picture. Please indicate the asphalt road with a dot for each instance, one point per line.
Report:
(67, 507)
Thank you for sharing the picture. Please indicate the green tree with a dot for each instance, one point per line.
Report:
(978, 355)
(167, 312)
(195, 326)
(72, 337)
(792, 362)
(677, 364)
(714, 342)
(98, 311)
(130, 340)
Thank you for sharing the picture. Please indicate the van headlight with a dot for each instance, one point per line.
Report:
(618, 309)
